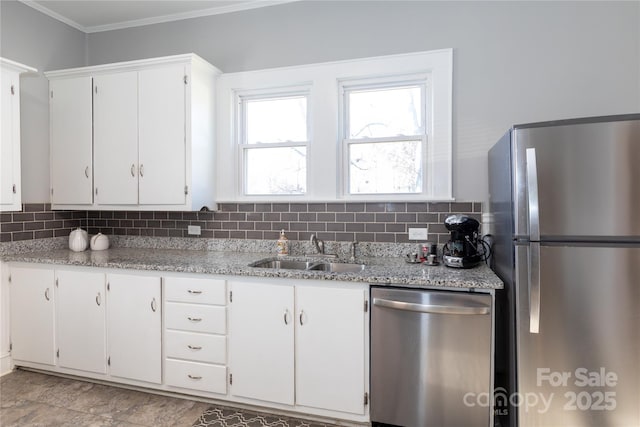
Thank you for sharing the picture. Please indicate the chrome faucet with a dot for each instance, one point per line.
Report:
(354, 244)
(317, 244)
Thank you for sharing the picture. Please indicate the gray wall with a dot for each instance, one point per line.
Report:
(514, 62)
(34, 39)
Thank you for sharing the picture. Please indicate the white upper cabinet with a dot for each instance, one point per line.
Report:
(10, 182)
(162, 148)
(70, 139)
(151, 125)
(115, 133)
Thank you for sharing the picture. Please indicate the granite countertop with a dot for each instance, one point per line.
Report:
(379, 270)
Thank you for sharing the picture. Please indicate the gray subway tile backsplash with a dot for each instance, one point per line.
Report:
(364, 222)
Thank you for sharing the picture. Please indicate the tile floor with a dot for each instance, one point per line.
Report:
(33, 399)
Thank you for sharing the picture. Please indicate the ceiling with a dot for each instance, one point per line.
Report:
(93, 16)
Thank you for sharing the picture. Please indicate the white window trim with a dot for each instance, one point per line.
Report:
(325, 161)
(241, 138)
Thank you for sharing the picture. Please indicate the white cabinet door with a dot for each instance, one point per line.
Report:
(261, 342)
(9, 126)
(162, 143)
(71, 141)
(32, 315)
(330, 348)
(134, 325)
(115, 133)
(81, 320)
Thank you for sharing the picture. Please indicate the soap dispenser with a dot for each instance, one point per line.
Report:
(282, 246)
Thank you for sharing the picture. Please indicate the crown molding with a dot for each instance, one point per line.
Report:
(54, 15)
(255, 4)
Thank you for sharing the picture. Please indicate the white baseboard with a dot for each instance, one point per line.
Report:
(5, 364)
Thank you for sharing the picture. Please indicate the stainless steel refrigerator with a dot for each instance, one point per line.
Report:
(566, 201)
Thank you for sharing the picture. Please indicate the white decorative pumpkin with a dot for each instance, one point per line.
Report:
(99, 242)
(78, 240)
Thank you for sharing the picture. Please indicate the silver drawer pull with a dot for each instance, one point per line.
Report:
(154, 305)
(195, 319)
(194, 347)
(194, 377)
(98, 299)
(46, 294)
(194, 292)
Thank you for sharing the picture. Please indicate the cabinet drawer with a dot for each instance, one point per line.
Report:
(196, 376)
(196, 347)
(193, 290)
(196, 318)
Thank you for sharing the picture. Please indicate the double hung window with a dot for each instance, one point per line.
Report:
(274, 137)
(367, 129)
(384, 136)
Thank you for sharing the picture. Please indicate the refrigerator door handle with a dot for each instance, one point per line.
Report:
(534, 287)
(532, 195)
(534, 238)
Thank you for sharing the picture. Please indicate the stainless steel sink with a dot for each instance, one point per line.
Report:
(328, 267)
(337, 267)
(283, 264)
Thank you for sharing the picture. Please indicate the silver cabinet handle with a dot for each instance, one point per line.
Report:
(300, 317)
(141, 170)
(98, 299)
(86, 171)
(133, 170)
(14, 189)
(195, 319)
(194, 292)
(194, 347)
(154, 305)
(194, 377)
(534, 238)
(432, 309)
(13, 90)
(286, 317)
(46, 294)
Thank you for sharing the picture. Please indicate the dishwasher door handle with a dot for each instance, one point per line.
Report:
(433, 309)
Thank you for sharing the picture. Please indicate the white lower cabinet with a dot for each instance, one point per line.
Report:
(195, 335)
(82, 320)
(87, 322)
(134, 327)
(32, 314)
(262, 341)
(330, 348)
(299, 346)
(302, 345)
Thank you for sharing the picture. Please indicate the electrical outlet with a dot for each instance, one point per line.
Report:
(193, 230)
(417, 234)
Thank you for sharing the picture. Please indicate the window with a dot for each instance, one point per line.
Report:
(274, 139)
(369, 129)
(384, 137)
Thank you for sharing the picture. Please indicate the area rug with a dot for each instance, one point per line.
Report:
(217, 416)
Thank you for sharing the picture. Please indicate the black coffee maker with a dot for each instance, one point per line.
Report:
(462, 250)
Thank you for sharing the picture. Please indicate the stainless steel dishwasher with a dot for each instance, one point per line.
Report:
(431, 358)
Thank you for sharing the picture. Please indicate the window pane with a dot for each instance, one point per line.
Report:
(276, 120)
(385, 112)
(389, 167)
(276, 170)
